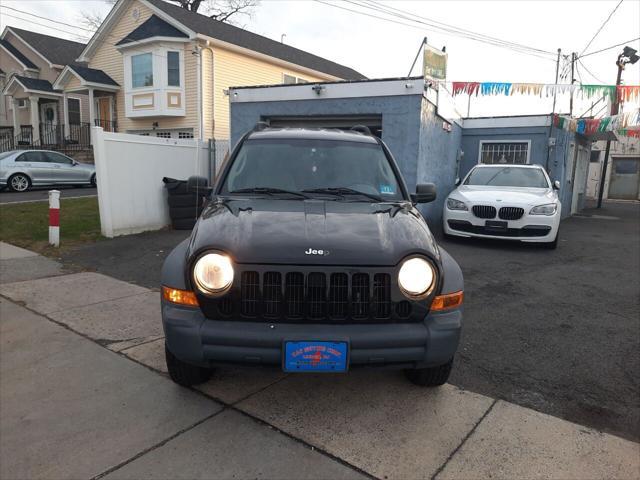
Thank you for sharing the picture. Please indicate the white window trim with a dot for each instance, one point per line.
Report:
(513, 140)
(75, 97)
(153, 73)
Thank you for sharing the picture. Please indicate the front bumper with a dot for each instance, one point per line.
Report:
(529, 228)
(200, 341)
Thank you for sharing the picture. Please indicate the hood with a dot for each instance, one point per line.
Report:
(475, 194)
(261, 231)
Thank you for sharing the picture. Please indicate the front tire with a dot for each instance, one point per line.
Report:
(19, 182)
(430, 377)
(183, 373)
(93, 180)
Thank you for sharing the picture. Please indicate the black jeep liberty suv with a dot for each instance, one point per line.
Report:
(311, 256)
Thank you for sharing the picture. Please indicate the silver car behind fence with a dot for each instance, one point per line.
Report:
(22, 169)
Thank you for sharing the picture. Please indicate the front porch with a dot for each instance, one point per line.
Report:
(54, 117)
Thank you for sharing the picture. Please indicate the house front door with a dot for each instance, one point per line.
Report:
(49, 123)
(104, 113)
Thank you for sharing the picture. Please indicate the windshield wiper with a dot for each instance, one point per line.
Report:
(269, 191)
(341, 191)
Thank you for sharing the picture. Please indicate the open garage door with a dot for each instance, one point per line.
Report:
(373, 122)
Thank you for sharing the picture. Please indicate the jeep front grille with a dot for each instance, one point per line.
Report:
(314, 296)
(484, 211)
(511, 213)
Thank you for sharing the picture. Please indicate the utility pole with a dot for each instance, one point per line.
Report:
(573, 61)
(614, 111)
(553, 110)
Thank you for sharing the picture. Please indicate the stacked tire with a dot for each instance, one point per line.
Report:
(184, 206)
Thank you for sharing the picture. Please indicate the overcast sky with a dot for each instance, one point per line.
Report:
(379, 48)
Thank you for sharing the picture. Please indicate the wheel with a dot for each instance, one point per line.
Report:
(183, 223)
(188, 200)
(19, 182)
(430, 377)
(552, 245)
(183, 373)
(93, 180)
(191, 212)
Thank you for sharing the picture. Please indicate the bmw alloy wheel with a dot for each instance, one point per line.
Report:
(19, 183)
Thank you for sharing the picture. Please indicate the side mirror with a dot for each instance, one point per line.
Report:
(198, 184)
(74, 163)
(457, 182)
(425, 193)
(556, 185)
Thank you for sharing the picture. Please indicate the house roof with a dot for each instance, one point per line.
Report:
(35, 84)
(92, 75)
(153, 27)
(228, 33)
(18, 54)
(57, 50)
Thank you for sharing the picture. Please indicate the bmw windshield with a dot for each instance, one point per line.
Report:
(301, 168)
(508, 176)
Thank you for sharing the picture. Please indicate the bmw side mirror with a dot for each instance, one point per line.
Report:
(457, 182)
(74, 163)
(425, 193)
(198, 184)
(556, 185)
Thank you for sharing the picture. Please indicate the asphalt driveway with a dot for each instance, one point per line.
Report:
(557, 331)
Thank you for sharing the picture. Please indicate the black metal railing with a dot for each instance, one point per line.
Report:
(7, 139)
(79, 135)
(107, 125)
(52, 136)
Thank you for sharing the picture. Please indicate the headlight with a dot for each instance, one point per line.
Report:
(213, 273)
(453, 204)
(416, 277)
(547, 209)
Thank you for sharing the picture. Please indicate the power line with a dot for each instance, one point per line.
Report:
(445, 26)
(39, 24)
(360, 12)
(589, 72)
(601, 27)
(609, 48)
(47, 19)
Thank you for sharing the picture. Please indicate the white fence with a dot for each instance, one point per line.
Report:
(129, 172)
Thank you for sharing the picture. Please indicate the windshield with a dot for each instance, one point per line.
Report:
(508, 177)
(313, 166)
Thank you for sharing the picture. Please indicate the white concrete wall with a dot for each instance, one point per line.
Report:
(129, 171)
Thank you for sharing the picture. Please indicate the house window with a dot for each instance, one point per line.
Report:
(291, 79)
(73, 109)
(173, 69)
(142, 70)
(22, 103)
(504, 152)
(595, 156)
(185, 134)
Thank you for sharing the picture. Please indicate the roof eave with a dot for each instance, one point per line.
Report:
(262, 56)
(68, 70)
(29, 69)
(144, 41)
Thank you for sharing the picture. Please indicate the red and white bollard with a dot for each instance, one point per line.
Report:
(54, 218)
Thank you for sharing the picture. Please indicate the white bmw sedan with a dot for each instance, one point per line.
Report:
(509, 202)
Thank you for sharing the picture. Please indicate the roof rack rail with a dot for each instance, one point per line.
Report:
(260, 126)
(362, 129)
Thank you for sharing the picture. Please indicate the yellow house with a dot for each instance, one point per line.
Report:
(165, 71)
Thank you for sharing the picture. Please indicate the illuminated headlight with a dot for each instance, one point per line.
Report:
(416, 277)
(547, 209)
(453, 204)
(213, 273)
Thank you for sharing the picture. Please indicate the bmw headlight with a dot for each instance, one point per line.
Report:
(453, 204)
(213, 273)
(417, 277)
(546, 209)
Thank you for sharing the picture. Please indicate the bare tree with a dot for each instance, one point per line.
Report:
(221, 10)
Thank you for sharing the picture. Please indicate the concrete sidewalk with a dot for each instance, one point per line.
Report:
(84, 393)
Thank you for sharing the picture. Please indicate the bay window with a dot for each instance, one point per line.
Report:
(142, 70)
(173, 69)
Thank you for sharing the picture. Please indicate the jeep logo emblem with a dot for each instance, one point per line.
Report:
(312, 251)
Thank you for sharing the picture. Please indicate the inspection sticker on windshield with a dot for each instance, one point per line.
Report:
(315, 357)
(386, 189)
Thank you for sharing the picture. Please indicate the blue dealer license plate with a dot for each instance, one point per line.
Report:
(315, 356)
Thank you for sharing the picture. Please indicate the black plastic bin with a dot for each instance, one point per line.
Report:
(184, 206)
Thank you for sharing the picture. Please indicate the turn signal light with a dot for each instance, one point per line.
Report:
(181, 297)
(448, 301)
